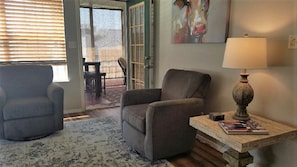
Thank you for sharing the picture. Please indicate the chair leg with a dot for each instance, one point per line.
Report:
(98, 86)
(104, 83)
(125, 80)
(104, 86)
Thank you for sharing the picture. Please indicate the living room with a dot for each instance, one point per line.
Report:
(275, 86)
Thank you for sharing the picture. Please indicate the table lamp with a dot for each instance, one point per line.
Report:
(244, 53)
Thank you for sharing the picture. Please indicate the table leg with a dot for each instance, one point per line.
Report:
(98, 85)
(104, 86)
(237, 159)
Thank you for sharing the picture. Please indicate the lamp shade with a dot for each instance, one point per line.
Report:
(245, 53)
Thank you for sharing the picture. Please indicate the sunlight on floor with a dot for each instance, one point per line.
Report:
(78, 117)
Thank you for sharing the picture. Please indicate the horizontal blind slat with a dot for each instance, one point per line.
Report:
(32, 30)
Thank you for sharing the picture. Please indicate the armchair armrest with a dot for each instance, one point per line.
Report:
(2, 103)
(56, 95)
(169, 121)
(2, 98)
(188, 107)
(140, 96)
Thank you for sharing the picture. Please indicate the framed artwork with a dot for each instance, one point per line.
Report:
(200, 21)
(292, 43)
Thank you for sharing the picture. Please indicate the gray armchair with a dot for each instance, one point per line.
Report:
(31, 105)
(155, 122)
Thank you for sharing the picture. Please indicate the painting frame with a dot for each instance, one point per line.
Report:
(200, 21)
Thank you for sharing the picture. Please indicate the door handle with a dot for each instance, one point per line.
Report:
(148, 66)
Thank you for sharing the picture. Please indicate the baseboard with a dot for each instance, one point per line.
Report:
(69, 111)
(100, 106)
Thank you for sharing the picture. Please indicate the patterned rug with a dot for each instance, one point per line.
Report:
(86, 143)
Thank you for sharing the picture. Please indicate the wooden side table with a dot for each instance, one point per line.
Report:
(239, 145)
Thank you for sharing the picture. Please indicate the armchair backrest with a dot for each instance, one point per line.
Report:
(179, 84)
(123, 64)
(25, 80)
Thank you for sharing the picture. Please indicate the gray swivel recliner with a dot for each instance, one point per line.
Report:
(155, 122)
(31, 105)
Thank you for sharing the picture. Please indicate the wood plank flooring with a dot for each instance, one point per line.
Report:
(200, 156)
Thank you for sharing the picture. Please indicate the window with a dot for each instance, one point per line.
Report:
(32, 31)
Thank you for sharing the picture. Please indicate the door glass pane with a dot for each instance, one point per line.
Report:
(136, 26)
(101, 31)
(86, 32)
(108, 40)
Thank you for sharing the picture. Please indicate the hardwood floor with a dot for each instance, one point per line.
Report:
(113, 112)
(200, 156)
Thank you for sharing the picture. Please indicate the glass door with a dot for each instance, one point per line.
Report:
(101, 34)
(139, 46)
(103, 40)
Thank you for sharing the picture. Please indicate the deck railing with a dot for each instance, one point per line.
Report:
(108, 57)
(111, 68)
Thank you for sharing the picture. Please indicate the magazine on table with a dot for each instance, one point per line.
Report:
(242, 127)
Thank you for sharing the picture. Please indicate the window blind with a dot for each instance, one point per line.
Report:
(32, 31)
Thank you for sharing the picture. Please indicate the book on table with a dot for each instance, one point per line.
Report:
(242, 127)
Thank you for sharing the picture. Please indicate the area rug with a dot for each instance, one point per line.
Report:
(95, 142)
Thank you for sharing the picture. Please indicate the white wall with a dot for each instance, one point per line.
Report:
(73, 90)
(274, 87)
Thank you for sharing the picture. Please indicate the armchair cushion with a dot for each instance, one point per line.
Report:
(27, 107)
(27, 81)
(178, 84)
(140, 96)
(135, 115)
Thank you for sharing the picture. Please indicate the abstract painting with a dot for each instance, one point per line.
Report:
(200, 21)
